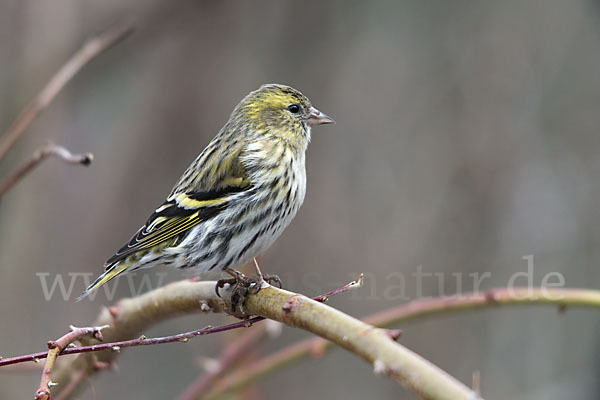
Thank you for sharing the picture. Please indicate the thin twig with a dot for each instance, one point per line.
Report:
(90, 49)
(415, 310)
(49, 150)
(141, 341)
(144, 341)
(352, 285)
(55, 348)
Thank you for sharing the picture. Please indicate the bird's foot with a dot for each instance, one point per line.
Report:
(242, 286)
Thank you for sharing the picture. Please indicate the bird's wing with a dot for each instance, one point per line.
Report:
(185, 209)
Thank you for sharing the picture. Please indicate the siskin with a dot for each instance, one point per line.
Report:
(236, 197)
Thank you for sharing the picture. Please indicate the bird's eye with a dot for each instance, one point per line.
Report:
(294, 108)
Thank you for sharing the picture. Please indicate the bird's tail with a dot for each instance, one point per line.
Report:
(109, 274)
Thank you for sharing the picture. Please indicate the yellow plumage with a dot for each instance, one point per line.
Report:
(236, 197)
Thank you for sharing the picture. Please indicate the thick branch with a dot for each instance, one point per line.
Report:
(238, 349)
(185, 297)
(409, 312)
(149, 300)
(91, 48)
(131, 316)
(386, 356)
(372, 344)
(49, 150)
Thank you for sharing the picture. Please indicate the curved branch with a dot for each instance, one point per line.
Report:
(415, 310)
(131, 316)
(91, 48)
(150, 300)
(372, 344)
(239, 348)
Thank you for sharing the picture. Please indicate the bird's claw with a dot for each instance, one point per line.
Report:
(221, 284)
(270, 279)
(242, 286)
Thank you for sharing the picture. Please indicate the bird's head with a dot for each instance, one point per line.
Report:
(280, 111)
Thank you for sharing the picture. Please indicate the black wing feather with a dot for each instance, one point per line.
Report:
(175, 221)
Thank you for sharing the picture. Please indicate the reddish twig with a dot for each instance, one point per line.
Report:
(91, 48)
(54, 349)
(143, 341)
(49, 150)
(352, 285)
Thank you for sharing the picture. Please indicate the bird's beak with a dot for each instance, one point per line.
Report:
(316, 117)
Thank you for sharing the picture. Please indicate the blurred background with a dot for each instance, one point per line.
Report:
(466, 139)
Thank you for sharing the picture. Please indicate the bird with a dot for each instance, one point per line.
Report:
(235, 199)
